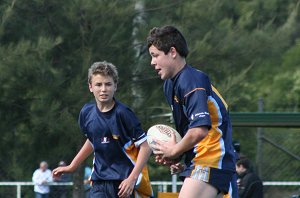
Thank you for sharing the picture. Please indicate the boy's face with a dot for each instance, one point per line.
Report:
(162, 62)
(240, 169)
(103, 88)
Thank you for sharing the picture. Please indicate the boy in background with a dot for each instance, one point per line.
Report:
(115, 136)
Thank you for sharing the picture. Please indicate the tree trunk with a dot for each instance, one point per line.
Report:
(78, 190)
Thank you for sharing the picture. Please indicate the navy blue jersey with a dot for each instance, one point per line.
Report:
(196, 103)
(115, 136)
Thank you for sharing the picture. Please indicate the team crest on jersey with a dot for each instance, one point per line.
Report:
(115, 137)
(105, 140)
(176, 99)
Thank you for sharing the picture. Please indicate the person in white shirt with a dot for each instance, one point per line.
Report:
(41, 177)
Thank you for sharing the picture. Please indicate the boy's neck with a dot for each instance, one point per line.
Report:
(106, 106)
(180, 63)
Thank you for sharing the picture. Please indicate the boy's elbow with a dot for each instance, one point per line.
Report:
(200, 133)
(144, 147)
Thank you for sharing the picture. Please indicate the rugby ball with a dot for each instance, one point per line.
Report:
(161, 132)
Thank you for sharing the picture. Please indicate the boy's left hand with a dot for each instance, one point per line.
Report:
(126, 187)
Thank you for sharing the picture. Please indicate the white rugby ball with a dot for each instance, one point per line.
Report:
(161, 132)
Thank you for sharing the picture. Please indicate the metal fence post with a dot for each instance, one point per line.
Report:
(174, 183)
(259, 135)
(165, 187)
(19, 191)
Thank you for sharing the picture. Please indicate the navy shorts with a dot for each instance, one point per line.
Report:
(218, 178)
(105, 189)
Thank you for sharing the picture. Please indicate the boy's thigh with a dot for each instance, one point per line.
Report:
(218, 179)
(105, 189)
(193, 188)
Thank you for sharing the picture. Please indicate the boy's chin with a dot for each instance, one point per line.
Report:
(163, 77)
(108, 100)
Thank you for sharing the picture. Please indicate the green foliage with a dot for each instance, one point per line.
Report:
(286, 85)
(236, 43)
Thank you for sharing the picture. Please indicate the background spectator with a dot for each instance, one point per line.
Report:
(41, 177)
(249, 184)
(237, 148)
(61, 191)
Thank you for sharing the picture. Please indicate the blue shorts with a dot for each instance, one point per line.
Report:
(223, 180)
(105, 189)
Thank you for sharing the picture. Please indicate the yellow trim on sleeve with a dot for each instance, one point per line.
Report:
(193, 91)
(218, 94)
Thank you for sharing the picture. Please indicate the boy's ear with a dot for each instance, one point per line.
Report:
(173, 52)
(90, 87)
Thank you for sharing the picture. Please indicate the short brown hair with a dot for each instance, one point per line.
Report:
(166, 37)
(103, 68)
(245, 162)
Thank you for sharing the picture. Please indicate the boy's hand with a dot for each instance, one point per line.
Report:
(165, 148)
(56, 173)
(163, 161)
(176, 168)
(126, 187)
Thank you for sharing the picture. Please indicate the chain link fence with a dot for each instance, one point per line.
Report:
(275, 156)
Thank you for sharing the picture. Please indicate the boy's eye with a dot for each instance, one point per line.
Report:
(154, 55)
(105, 84)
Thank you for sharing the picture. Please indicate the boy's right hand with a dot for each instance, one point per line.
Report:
(176, 168)
(56, 173)
(163, 161)
(166, 161)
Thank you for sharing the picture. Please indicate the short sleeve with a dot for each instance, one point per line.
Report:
(195, 93)
(133, 127)
(82, 120)
(197, 108)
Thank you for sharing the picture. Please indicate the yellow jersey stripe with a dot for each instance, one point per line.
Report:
(219, 95)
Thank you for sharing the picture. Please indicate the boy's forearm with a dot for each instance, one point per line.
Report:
(192, 137)
(84, 152)
(143, 156)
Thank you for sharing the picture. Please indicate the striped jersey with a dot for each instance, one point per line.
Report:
(195, 103)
